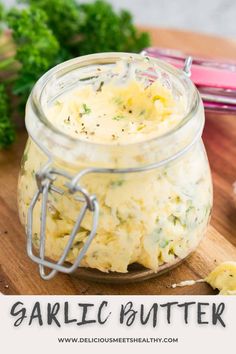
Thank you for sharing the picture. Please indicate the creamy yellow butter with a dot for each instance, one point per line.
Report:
(148, 217)
(117, 113)
(223, 278)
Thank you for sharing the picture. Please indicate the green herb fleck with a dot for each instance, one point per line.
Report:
(156, 234)
(174, 219)
(117, 183)
(118, 100)
(24, 158)
(164, 243)
(100, 86)
(67, 120)
(118, 118)
(141, 127)
(86, 109)
(142, 112)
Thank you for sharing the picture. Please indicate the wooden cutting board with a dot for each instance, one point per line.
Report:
(18, 275)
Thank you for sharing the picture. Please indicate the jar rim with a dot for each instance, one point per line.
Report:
(58, 145)
(114, 56)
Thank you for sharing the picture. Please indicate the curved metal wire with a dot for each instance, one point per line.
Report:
(89, 203)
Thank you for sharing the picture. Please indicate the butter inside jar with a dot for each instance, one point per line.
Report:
(117, 113)
(151, 217)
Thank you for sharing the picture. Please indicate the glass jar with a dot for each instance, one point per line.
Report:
(113, 212)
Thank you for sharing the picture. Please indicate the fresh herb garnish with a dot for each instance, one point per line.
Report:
(7, 132)
(114, 30)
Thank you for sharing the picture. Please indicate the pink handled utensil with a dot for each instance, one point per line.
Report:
(216, 80)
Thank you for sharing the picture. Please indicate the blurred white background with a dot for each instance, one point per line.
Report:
(217, 17)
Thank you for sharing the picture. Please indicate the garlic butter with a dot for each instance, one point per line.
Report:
(130, 112)
(222, 278)
(117, 113)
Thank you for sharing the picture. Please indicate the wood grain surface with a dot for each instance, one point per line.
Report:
(18, 275)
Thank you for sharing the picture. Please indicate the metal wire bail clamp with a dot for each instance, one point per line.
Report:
(187, 66)
(45, 178)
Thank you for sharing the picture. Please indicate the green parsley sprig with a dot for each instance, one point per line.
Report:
(7, 132)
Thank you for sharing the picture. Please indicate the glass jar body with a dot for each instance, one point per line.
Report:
(151, 215)
(153, 218)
